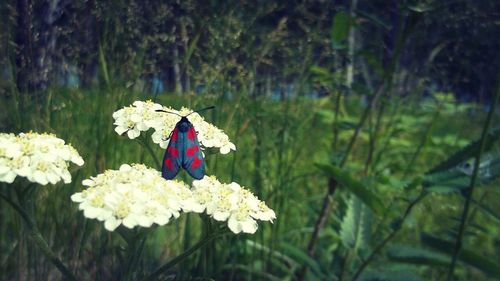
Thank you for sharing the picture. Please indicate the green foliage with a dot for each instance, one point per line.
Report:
(189, 279)
(300, 256)
(419, 256)
(291, 137)
(276, 72)
(359, 189)
(390, 275)
(356, 227)
(467, 152)
(340, 29)
(458, 178)
(453, 174)
(473, 258)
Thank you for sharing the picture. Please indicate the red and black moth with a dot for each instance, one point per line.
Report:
(183, 150)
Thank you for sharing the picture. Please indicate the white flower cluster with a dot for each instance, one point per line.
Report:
(232, 203)
(134, 195)
(41, 158)
(142, 116)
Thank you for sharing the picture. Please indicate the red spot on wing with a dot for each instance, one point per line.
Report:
(192, 150)
(173, 151)
(168, 164)
(191, 134)
(196, 163)
(175, 135)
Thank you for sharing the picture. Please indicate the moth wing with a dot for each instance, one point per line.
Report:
(171, 159)
(193, 161)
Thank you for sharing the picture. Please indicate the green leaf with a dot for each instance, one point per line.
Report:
(389, 275)
(412, 255)
(104, 66)
(458, 177)
(421, 7)
(346, 125)
(354, 186)
(302, 257)
(251, 269)
(467, 152)
(487, 210)
(321, 74)
(446, 182)
(274, 252)
(376, 19)
(340, 29)
(326, 115)
(477, 260)
(355, 229)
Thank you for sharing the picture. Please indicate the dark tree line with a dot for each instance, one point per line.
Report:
(251, 45)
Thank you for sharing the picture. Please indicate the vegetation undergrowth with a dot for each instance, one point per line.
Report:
(287, 159)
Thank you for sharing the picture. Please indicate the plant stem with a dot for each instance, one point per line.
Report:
(336, 119)
(423, 143)
(389, 237)
(135, 247)
(332, 183)
(332, 186)
(146, 144)
(470, 190)
(345, 261)
(181, 257)
(39, 240)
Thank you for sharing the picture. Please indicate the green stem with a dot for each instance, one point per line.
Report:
(470, 190)
(183, 256)
(391, 129)
(415, 156)
(385, 84)
(424, 141)
(205, 262)
(373, 137)
(336, 120)
(39, 240)
(389, 237)
(135, 246)
(332, 183)
(345, 261)
(148, 147)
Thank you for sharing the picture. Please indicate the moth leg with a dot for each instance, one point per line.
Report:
(169, 136)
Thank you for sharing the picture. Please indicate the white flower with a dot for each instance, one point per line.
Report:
(41, 158)
(134, 195)
(232, 203)
(142, 116)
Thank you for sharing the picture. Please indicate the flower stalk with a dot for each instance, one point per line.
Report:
(37, 238)
(135, 248)
(470, 190)
(169, 265)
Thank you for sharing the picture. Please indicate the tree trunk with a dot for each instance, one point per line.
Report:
(268, 90)
(177, 72)
(90, 46)
(350, 51)
(24, 40)
(46, 50)
(184, 72)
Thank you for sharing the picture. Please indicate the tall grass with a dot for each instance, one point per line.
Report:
(278, 143)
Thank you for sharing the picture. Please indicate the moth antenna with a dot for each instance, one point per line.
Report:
(202, 109)
(161, 110)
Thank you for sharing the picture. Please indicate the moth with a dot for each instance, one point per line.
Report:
(183, 150)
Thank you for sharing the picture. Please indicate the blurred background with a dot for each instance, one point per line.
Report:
(356, 121)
